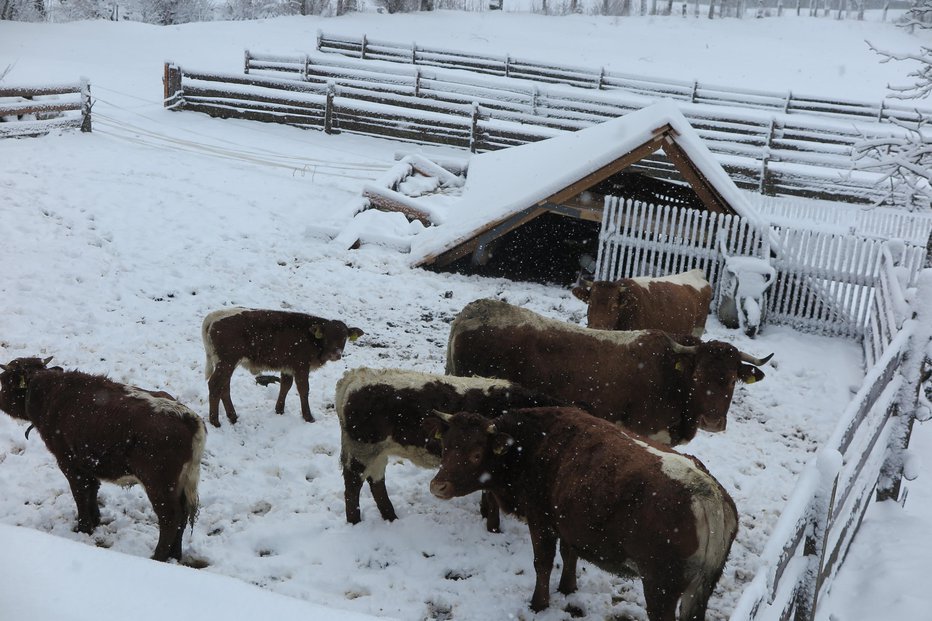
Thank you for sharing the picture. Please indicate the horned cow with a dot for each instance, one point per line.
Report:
(619, 501)
(656, 385)
(291, 343)
(381, 413)
(678, 304)
(100, 430)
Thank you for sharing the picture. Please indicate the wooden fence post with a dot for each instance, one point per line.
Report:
(362, 48)
(413, 53)
(320, 38)
(914, 368)
(172, 83)
(507, 65)
(328, 109)
(246, 62)
(85, 105)
(829, 463)
(417, 81)
(474, 129)
(600, 84)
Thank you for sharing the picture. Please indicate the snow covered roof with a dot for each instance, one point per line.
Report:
(507, 188)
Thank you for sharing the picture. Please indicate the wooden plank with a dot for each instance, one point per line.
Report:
(384, 199)
(709, 196)
(469, 243)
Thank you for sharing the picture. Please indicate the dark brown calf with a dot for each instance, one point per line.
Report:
(678, 304)
(617, 500)
(268, 340)
(99, 430)
(658, 387)
(381, 414)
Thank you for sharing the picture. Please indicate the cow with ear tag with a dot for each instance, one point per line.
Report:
(613, 498)
(291, 343)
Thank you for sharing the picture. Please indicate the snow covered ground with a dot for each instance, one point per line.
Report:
(117, 243)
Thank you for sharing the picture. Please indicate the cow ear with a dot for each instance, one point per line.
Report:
(749, 374)
(501, 442)
(4, 367)
(582, 293)
(317, 331)
(46, 361)
(434, 428)
(355, 333)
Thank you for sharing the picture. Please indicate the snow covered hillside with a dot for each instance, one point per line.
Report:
(117, 243)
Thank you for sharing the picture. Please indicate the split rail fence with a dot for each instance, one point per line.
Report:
(829, 284)
(803, 157)
(692, 91)
(37, 110)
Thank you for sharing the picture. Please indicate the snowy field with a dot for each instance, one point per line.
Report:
(117, 244)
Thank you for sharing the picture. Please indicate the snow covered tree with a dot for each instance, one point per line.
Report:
(22, 10)
(905, 161)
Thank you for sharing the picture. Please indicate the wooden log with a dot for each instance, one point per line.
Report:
(384, 199)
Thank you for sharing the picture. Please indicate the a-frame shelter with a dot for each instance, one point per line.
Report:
(507, 189)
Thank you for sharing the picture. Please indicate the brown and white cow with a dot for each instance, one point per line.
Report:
(99, 430)
(291, 343)
(645, 380)
(381, 414)
(615, 499)
(678, 304)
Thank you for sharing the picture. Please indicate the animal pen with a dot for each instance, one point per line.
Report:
(852, 283)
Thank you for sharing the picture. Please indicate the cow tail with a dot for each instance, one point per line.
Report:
(717, 523)
(191, 471)
(209, 351)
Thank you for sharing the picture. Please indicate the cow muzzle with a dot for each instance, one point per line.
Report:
(441, 489)
(712, 424)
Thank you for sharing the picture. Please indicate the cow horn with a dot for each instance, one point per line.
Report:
(442, 415)
(679, 348)
(3, 367)
(46, 361)
(757, 362)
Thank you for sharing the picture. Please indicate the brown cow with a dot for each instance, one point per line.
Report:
(99, 430)
(643, 380)
(268, 340)
(619, 501)
(381, 412)
(677, 304)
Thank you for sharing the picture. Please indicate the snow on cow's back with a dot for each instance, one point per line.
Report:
(490, 312)
(693, 278)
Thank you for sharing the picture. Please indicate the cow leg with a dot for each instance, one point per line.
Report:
(568, 577)
(382, 501)
(661, 595)
(488, 508)
(300, 379)
(285, 385)
(170, 510)
(219, 389)
(544, 543)
(352, 484)
(84, 488)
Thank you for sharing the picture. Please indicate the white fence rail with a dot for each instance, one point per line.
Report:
(826, 280)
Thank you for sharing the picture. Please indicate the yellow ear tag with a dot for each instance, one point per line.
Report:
(499, 450)
(353, 337)
(438, 436)
(22, 382)
(678, 366)
(750, 380)
(318, 333)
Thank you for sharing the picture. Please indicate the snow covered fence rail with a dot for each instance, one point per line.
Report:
(790, 156)
(601, 79)
(37, 110)
(867, 452)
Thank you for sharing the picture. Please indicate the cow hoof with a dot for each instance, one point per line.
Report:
(308, 419)
(215, 422)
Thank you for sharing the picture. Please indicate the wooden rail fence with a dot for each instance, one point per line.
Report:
(37, 110)
(601, 79)
(782, 155)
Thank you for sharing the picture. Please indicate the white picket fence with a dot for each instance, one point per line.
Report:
(826, 280)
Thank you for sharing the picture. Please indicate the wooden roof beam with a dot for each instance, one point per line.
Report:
(707, 193)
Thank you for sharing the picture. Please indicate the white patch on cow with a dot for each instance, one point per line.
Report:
(499, 314)
(692, 278)
(255, 367)
(374, 457)
(161, 405)
(714, 521)
(662, 436)
(209, 350)
(127, 481)
(399, 379)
